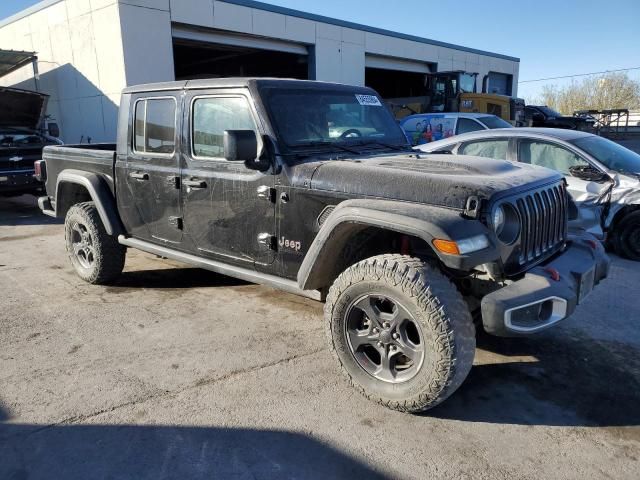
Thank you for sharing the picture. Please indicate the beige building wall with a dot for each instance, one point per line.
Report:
(89, 50)
(80, 64)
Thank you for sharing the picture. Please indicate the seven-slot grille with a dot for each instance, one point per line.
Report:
(543, 216)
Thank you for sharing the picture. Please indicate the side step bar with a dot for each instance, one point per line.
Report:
(222, 268)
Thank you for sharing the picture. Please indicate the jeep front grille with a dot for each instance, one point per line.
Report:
(543, 216)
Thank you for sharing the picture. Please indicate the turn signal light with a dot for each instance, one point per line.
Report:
(446, 246)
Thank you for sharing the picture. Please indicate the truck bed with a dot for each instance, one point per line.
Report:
(96, 158)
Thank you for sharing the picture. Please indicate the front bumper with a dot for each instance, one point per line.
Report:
(18, 181)
(547, 293)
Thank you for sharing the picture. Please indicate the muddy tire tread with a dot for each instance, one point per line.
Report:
(430, 289)
(109, 255)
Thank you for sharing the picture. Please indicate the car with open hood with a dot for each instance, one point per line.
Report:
(22, 140)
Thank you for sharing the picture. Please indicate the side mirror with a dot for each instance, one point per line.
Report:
(587, 173)
(53, 130)
(240, 145)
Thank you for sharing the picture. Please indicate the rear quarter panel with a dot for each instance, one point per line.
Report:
(98, 159)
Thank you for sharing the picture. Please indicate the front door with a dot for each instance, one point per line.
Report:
(229, 210)
(588, 195)
(153, 170)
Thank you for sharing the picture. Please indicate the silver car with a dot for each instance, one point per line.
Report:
(603, 177)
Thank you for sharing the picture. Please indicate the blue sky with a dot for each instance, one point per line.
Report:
(552, 38)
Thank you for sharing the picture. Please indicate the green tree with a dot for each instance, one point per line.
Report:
(613, 90)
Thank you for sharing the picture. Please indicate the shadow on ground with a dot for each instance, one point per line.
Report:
(152, 452)
(172, 278)
(572, 380)
(23, 210)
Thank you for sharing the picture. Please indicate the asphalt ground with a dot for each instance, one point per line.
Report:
(176, 372)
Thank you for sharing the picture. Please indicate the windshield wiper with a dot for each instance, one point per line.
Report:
(397, 148)
(329, 144)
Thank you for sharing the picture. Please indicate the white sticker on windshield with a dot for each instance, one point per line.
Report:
(368, 100)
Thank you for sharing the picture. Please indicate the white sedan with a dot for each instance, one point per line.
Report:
(603, 177)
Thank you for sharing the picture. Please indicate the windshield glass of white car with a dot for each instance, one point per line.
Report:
(610, 154)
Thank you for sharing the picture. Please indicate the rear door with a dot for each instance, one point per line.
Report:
(229, 210)
(153, 169)
(497, 148)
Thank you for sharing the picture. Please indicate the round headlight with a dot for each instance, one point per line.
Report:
(498, 220)
(506, 223)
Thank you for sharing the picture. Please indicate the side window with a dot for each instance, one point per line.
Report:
(139, 126)
(155, 126)
(211, 116)
(548, 155)
(466, 125)
(486, 148)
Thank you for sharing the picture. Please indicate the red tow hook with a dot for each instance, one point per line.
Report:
(592, 243)
(555, 274)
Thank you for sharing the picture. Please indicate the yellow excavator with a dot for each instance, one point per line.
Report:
(456, 91)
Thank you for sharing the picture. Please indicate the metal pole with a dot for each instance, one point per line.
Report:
(36, 74)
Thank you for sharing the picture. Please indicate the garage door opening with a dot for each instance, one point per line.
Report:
(201, 60)
(394, 83)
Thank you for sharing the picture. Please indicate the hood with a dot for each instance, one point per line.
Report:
(21, 108)
(444, 180)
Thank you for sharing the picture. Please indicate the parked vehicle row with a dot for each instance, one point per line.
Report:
(602, 176)
(542, 116)
(313, 188)
(457, 91)
(431, 127)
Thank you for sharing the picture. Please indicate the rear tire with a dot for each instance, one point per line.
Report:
(627, 236)
(97, 257)
(438, 336)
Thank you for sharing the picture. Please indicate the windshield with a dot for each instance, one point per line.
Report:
(10, 137)
(333, 118)
(610, 154)
(467, 83)
(494, 122)
(549, 112)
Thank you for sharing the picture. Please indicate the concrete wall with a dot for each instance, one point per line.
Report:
(339, 51)
(88, 50)
(79, 48)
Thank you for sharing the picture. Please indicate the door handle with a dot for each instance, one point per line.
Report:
(139, 176)
(194, 183)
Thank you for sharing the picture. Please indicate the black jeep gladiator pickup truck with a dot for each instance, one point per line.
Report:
(312, 188)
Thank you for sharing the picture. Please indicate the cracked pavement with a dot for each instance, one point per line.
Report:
(176, 372)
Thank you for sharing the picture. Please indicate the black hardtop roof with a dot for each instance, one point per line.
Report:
(239, 82)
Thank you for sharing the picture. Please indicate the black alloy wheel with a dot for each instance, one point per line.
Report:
(384, 338)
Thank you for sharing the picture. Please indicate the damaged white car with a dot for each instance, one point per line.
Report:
(603, 177)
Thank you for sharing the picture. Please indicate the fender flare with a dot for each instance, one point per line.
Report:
(100, 195)
(426, 222)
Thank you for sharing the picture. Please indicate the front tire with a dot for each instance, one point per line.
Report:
(96, 256)
(627, 236)
(401, 332)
